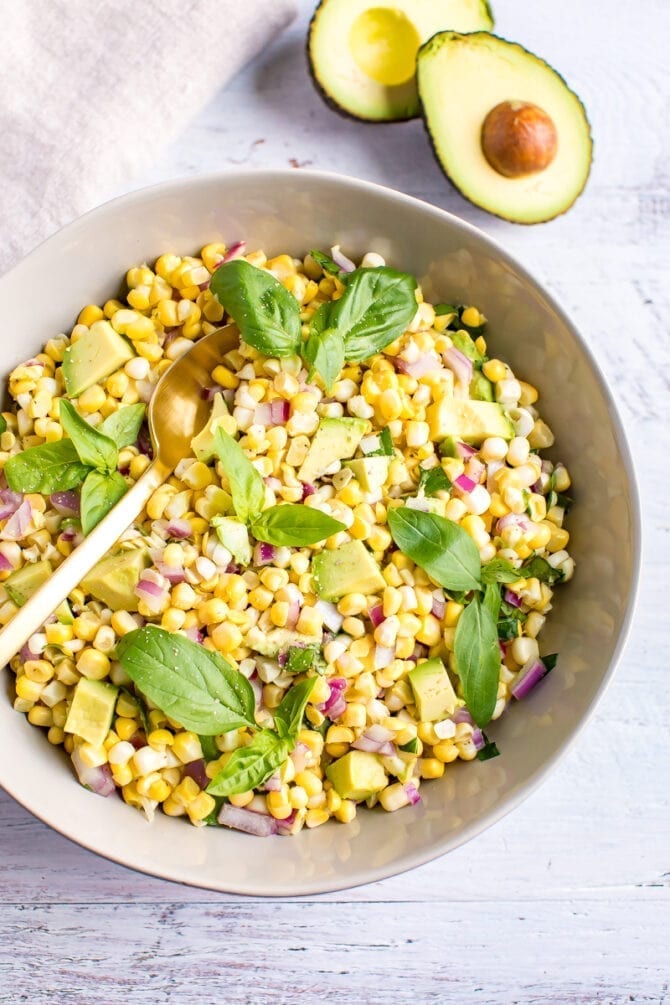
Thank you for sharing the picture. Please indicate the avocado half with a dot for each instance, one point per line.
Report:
(461, 79)
(362, 53)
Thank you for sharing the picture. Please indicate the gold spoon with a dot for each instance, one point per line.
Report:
(176, 413)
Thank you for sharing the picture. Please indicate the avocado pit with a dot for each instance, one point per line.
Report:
(518, 138)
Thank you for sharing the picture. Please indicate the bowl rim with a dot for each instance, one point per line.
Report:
(275, 176)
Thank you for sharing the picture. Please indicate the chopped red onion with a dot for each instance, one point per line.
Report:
(98, 779)
(173, 573)
(299, 757)
(66, 503)
(474, 469)
(478, 738)
(144, 444)
(426, 363)
(205, 285)
(335, 704)
(285, 825)
(438, 608)
(209, 393)
(138, 739)
(257, 688)
(460, 364)
(264, 554)
(341, 260)
(273, 783)
(236, 250)
(293, 614)
(464, 450)
(194, 634)
(412, 793)
(196, 771)
(512, 520)
(18, 523)
(150, 588)
(179, 529)
(280, 411)
(371, 746)
(307, 490)
(464, 483)
(5, 564)
(528, 676)
(383, 656)
(242, 819)
(419, 651)
(282, 658)
(376, 615)
(462, 715)
(263, 414)
(25, 653)
(512, 598)
(332, 618)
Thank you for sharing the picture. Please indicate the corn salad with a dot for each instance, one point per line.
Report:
(368, 643)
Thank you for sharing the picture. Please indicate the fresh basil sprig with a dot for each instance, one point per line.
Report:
(123, 425)
(300, 659)
(196, 687)
(539, 568)
(94, 448)
(52, 467)
(434, 480)
(289, 714)
(294, 525)
(327, 263)
(289, 524)
(477, 655)
(385, 448)
(267, 315)
(99, 493)
(375, 309)
(250, 766)
(499, 570)
(446, 552)
(325, 354)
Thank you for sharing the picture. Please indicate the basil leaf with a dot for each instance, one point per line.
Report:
(267, 315)
(465, 344)
(539, 568)
(300, 659)
(558, 499)
(376, 307)
(289, 714)
(196, 687)
(3, 424)
(294, 525)
(439, 546)
(326, 262)
(477, 655)
(550, 661)
(441, 309)
(385, 448)
(433, 481)
(488, 751)
(499, 570)
(325, 354)
(52, 467)
(99, 493)
(410, 748)
(250, 766)
(210, 751)
(509, 623)
(123, 426)
(492, 599)
(94, 448)
(246, 485)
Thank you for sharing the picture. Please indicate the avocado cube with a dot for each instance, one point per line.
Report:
(334, 440)
(113, 580)
(91, 711)
(349, 569)
(22, 583)
(481, 388)
(370, 472)
(202, 445)
(433, 691)
(278, 640)
(357, 775)
(99, 352)
(234, 536)
(471, 421)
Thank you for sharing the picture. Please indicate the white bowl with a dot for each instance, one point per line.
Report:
(294, 211)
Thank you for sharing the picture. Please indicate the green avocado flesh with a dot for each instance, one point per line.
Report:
(91, 710)
(362, 53)
(357, 775)
(113, 580)
(99, 352)
(25, 581)
(461, 78)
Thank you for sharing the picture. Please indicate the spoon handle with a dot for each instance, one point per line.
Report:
(29, 618)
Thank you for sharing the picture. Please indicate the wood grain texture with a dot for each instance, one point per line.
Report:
(568, 899)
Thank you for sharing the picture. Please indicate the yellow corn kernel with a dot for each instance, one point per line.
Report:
(426, 733)
(40, 715)
(432, 767)
(93, 664)
(225, 378)
(201, 806)
(172, 807)
(445, 751)
(540, 537)
(92, 399)
(278, 805)
(186, 746)
(241, 799)
(452, 613)
(310, 738)
(211, 612)
(494, 370)
(226, 637)
(279, 613)
(186, 791)
(159, 739)
(316, 817)
(529, 394)
(430, 631)
(310, 782)
(57, 634)
(89, 314)
(39, 671)
(472, 318)
(540, 436)
(346, 811)
(559, 539)
(122, 774)
(126, 728)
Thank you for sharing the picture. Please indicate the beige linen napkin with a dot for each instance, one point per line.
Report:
(91, 92)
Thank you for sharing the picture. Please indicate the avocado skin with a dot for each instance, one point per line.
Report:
(443, 169)
(332, 104)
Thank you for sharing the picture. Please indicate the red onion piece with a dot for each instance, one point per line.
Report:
(462, 715)
(18, 523)
(528, 676)
(478, 738)
(512, 520)
(98, 780)
(376, 740)
(264, 554)
(148, 587)
(465, 450)
(474, 469)
(257, 688)
(179, 529)
(512, 598)
(138, 739)
(280, 410)
(235, 250)
(412, 793)
(285, 825)
(341, 260)
(263, 414)
(173, 573)
(338, 708)
(376, 615)
(459, 364)
(194, 634)
(196, 771)
(307, 490)
(273, 783)
(299, 757)
(464, 483)
(426, 363)
(438, 608)
(241, 819)
(5, 564)
(66, 503)
(25, 653)
(334, 699)
(293, 614)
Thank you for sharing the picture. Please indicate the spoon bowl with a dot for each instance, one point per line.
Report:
(177, 412)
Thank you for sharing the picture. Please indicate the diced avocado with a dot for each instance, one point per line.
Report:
(334, 440)
(506, 129)
(21, 585)
(278, 640)
(427, 504)
(234, 536)
(362, 53)
(449, 447)
(357, 775)
(464, 343)
(349, 569)
(113, 580)
(99, 352)
(202, 445)
(433, 691)
(90, 714)
(481, 388)
(471, 421)
(370, 472)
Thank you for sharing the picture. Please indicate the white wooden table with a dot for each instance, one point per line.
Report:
(568, 899)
